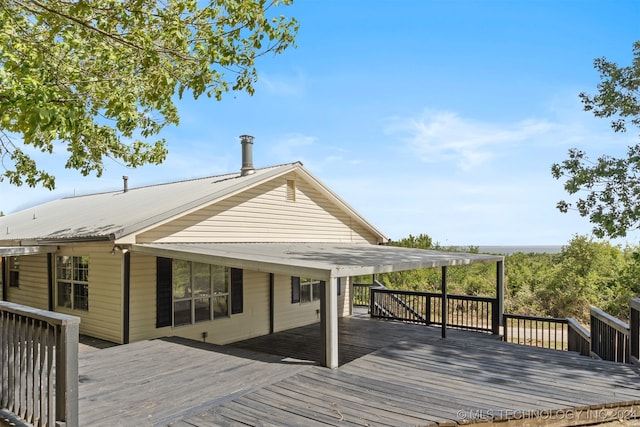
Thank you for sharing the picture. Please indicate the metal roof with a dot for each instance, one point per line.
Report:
(113, 215)
(317, 260)
(110, 215)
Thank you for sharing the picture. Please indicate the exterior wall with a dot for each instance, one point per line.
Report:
(34, 283)
(344, 300)
(290, 315)
(264, 214)
(252, 322)
(142, 306)
(104, 318)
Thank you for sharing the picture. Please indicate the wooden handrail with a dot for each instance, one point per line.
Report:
(609, 337)
(579, 338)
(46, 342)
(537, 331)
(578, 328)
(610, 320)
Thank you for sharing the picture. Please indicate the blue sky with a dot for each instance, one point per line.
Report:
(436, 117)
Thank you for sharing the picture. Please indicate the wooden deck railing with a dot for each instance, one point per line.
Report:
(361, 294)
(39, 365)
(609, 337)
(547, 332)
(579, 339)
(464, 311)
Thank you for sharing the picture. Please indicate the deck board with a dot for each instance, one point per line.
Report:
(392, 374)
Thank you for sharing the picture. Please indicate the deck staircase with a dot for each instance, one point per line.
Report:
(393, 305)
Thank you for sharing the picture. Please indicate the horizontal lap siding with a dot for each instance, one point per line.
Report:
(252, 322)
(34, 283)
(142, 309)
(104, 318)
(263, 214)
(344, 300)
(291, 315)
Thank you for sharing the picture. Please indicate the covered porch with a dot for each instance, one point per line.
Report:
(329, 262)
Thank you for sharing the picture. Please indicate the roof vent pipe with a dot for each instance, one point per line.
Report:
(125, 181)
(247, 155)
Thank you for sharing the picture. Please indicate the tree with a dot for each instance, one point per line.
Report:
(101, 76)
(611, 185)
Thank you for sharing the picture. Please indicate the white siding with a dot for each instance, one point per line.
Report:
(104, 318)
(142, 306)
(252, 322)
(291, 315)
(344, 300)
(263, 214)
(34, 283)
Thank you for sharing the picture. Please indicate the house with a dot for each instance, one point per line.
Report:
(220, 259)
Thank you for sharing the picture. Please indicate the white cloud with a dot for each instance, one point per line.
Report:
(446, 137)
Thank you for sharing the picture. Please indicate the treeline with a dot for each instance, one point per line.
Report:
(585, 273)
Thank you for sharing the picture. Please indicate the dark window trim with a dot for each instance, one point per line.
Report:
(164, 297)
(236, 288)
(295, 290)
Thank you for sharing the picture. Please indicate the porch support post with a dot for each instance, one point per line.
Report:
(498, 311)
(272, 303)
(444, 311)
(330, 323)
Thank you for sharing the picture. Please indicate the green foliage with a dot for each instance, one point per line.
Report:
(477, 279)
(100, 75)
(585, 273)
(611, 185)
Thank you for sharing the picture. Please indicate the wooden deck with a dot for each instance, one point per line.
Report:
(393, 375)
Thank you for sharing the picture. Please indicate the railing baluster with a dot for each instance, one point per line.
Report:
(28, 365)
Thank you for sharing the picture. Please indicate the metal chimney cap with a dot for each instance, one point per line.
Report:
(247, 155)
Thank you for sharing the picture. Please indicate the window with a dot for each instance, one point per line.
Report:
(14, 272)
(72, 277)
(200, 292)
(309, 290)
(305, 290)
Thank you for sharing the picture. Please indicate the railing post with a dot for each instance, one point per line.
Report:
(634, 327)
(67, 375)
(498, 306)
(444, 311)
(371, 302)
